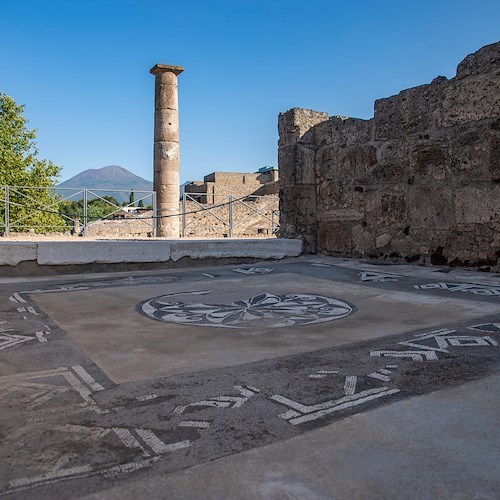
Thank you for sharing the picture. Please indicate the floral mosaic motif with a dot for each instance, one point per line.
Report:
(265, 310)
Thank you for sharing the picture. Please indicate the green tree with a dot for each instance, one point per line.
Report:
(96, 209)
(20, 167)
(102, 208)
(131, 200)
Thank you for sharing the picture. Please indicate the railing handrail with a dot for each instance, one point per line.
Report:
(230, 218)
(53, 205)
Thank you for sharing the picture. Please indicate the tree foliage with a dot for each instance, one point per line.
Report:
(97, 208)
(20, 167)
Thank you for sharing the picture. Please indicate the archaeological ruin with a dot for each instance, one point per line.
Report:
(224, 204)
(217, 184)
(420, 181)
(166, 161)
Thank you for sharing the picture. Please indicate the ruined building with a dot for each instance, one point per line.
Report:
(420, 181)
(225, 204)
(217, 184)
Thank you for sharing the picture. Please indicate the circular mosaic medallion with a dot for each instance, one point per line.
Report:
(265, 310)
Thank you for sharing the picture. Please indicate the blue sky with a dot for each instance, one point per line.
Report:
(82, 69)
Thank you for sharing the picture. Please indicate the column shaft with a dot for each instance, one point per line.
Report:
(166, 179)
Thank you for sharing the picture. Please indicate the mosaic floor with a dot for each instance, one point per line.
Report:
(113, 378)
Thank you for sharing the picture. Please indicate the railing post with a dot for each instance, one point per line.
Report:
(155, 216)
(184, 220)
(85, 200)
(7, 211)
(230, 215)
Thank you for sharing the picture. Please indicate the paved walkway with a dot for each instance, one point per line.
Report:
(308, 378)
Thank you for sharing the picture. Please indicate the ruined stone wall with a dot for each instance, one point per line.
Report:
(218, 185)
(419, 181)
(255, 218)
(236, 178)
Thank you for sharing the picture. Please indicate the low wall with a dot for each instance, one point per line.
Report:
(16, 256)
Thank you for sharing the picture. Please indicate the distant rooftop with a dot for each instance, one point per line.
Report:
(263, 170)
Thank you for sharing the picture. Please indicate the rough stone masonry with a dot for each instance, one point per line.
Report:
(419, 181)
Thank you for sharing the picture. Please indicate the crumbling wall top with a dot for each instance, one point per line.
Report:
(485, 60)
(294, 124)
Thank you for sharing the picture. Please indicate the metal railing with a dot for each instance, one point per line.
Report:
(74, 209)
(22, 206)
(228, 215)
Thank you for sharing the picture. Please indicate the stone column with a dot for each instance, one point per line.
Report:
(166, 178)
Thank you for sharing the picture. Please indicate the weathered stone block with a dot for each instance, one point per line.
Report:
(382, 240)
(485, 60)
(342, 162)
(384, 207)
(329, 163)
(294, 124)
(166, 96)
(471, 99)
(421, 241)
(478, 205)
(12, 253)
(300, 201)
(494, 158)
(404, 114)
(389, 151)
(334, 237)
(475, 246)
(429, 162)
(393, 172)
(166, 151)
(335, 194)
(343, 131)
(298, 206)
(168, 179)
(388, 119)
(296, 165)
(415, 110)
(363, 240)
(431, 207)
(435, 93)
(470, 150)
(108, 252)
(393, 208)
(167, 126)
(272, 248)
(339, 214)
(387, 163)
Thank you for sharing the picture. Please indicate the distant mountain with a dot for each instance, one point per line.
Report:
(114, 180)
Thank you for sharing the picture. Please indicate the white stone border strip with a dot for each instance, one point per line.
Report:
(60, 253)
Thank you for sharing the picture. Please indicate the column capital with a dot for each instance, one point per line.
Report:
(166, 68)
